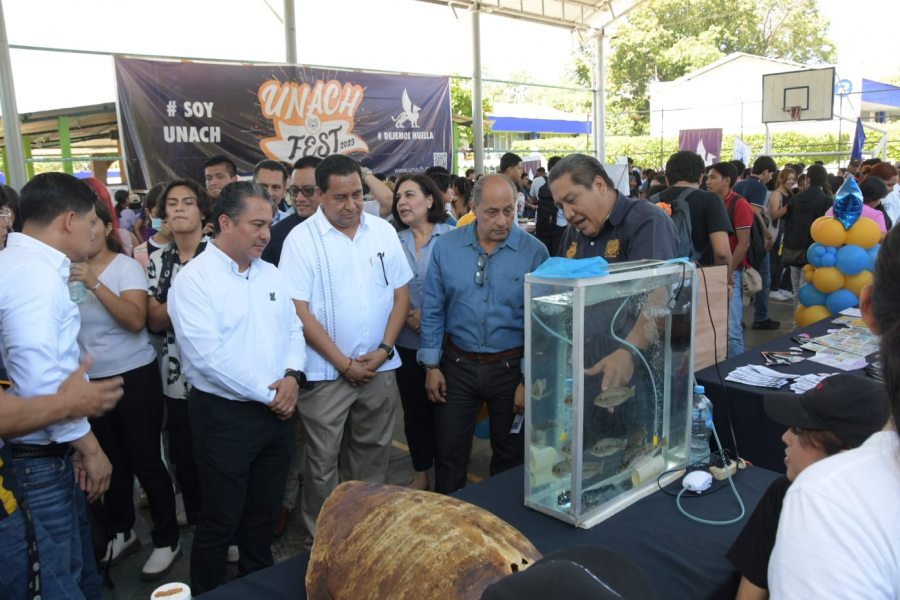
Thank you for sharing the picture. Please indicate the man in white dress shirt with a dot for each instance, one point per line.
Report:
(243, 353)
(39, 325)
(347, 275)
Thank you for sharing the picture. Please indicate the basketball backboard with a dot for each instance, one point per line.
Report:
(806, 95)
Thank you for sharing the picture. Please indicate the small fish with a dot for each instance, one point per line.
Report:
(608, 446)
(545, 425)
(568, 400)
(562, 468)
(538, 388)
(589, 470)
(567, 449)
(614, 396)
(638, 455)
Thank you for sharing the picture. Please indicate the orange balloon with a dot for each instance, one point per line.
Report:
(828, 231)
(856, 283)
(864, 233)
(828, 279)
(812, 314)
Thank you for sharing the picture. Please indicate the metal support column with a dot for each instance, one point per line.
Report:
(477, 113)
(290, 32)
(65, 144)
(599, 126)
(15, 163)
(26, 157)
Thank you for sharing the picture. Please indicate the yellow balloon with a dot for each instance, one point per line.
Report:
(808, 271)
(828, 231)
(827, 280)
(812, 314)
(864, 233)
(856, 283)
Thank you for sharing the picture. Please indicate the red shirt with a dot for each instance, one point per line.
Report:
(743, 215)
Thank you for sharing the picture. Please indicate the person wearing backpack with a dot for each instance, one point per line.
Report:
(550, 222)
(701, 223)
(719, 181)
(755, 190)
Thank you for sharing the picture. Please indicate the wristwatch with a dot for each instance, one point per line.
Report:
(300, 376)
(388, 349)
(366, 171)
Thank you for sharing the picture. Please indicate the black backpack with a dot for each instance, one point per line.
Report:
(546, 210)
(757, 250)
(681, 217)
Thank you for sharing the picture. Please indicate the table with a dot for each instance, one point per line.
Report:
(758, 437)
(683, 559)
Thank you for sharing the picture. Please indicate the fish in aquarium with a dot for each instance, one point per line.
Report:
(568, 400)
(567, 448)
(588, 469)
(538, 388)
(608, 446)
(614, 396)
(638, 455)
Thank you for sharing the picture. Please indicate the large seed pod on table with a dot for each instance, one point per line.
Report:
(382, 541)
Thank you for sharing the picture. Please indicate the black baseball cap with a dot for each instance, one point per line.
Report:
(576, 573)
(850, 406)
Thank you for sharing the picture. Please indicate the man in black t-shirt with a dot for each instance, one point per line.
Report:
(710, 226)
(840, 413)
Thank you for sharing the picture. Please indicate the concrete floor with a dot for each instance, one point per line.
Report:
(126, 575)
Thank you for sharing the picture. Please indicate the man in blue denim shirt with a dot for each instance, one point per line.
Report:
(472, 329)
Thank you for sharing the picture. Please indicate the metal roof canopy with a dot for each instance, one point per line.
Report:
(588, 16)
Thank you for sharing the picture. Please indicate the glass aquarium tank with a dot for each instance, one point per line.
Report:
(609, 376)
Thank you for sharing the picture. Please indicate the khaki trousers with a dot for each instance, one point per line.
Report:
(325, 410)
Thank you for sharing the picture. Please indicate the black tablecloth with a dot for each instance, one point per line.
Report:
(758, 437)
(682, 558)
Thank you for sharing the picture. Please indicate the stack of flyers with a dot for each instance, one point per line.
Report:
(788, 357)
(808, 382)
(758, 376)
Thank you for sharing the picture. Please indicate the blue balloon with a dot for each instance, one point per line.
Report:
(814, 254)
(873, 254)
(828, 259)
(810, 296)
(483, 429)
(848, 202)
(852, 260)
(840, 300)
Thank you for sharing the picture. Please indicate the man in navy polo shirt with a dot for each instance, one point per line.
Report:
(755, 191)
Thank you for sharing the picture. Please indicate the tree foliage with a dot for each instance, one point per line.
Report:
(461, 105)
(666, 39)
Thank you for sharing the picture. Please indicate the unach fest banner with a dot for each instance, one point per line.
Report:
(173, 116)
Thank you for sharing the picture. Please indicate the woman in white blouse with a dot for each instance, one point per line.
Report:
(113, 307)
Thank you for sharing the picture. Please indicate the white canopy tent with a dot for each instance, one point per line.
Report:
(590, 18)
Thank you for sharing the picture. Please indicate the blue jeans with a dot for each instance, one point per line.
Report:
(735, 314)
(761, 299)
(61, 527)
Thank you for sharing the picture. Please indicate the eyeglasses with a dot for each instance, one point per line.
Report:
(6, 215)
(479, 274)
(306, 190)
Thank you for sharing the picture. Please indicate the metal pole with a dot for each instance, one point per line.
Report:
(290, 32)
(600, 101)
(477, 114)
(12, 137)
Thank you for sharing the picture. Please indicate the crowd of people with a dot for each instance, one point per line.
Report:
(272, 327)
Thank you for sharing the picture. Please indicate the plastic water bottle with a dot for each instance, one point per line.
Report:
(77, 292)
(848, 202)
(701, 425)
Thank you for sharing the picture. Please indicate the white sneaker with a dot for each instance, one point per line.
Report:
(233, 554)
(786, 295)
(120, 547)
(775, 294)
(159, 563)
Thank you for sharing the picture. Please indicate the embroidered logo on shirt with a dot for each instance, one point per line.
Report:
(272, 296)
(570, 252)
(612, 249)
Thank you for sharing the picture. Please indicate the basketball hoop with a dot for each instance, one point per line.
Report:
(794, 112)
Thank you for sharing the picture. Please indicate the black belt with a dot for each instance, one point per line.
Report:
(487, 357)
(52, 450)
